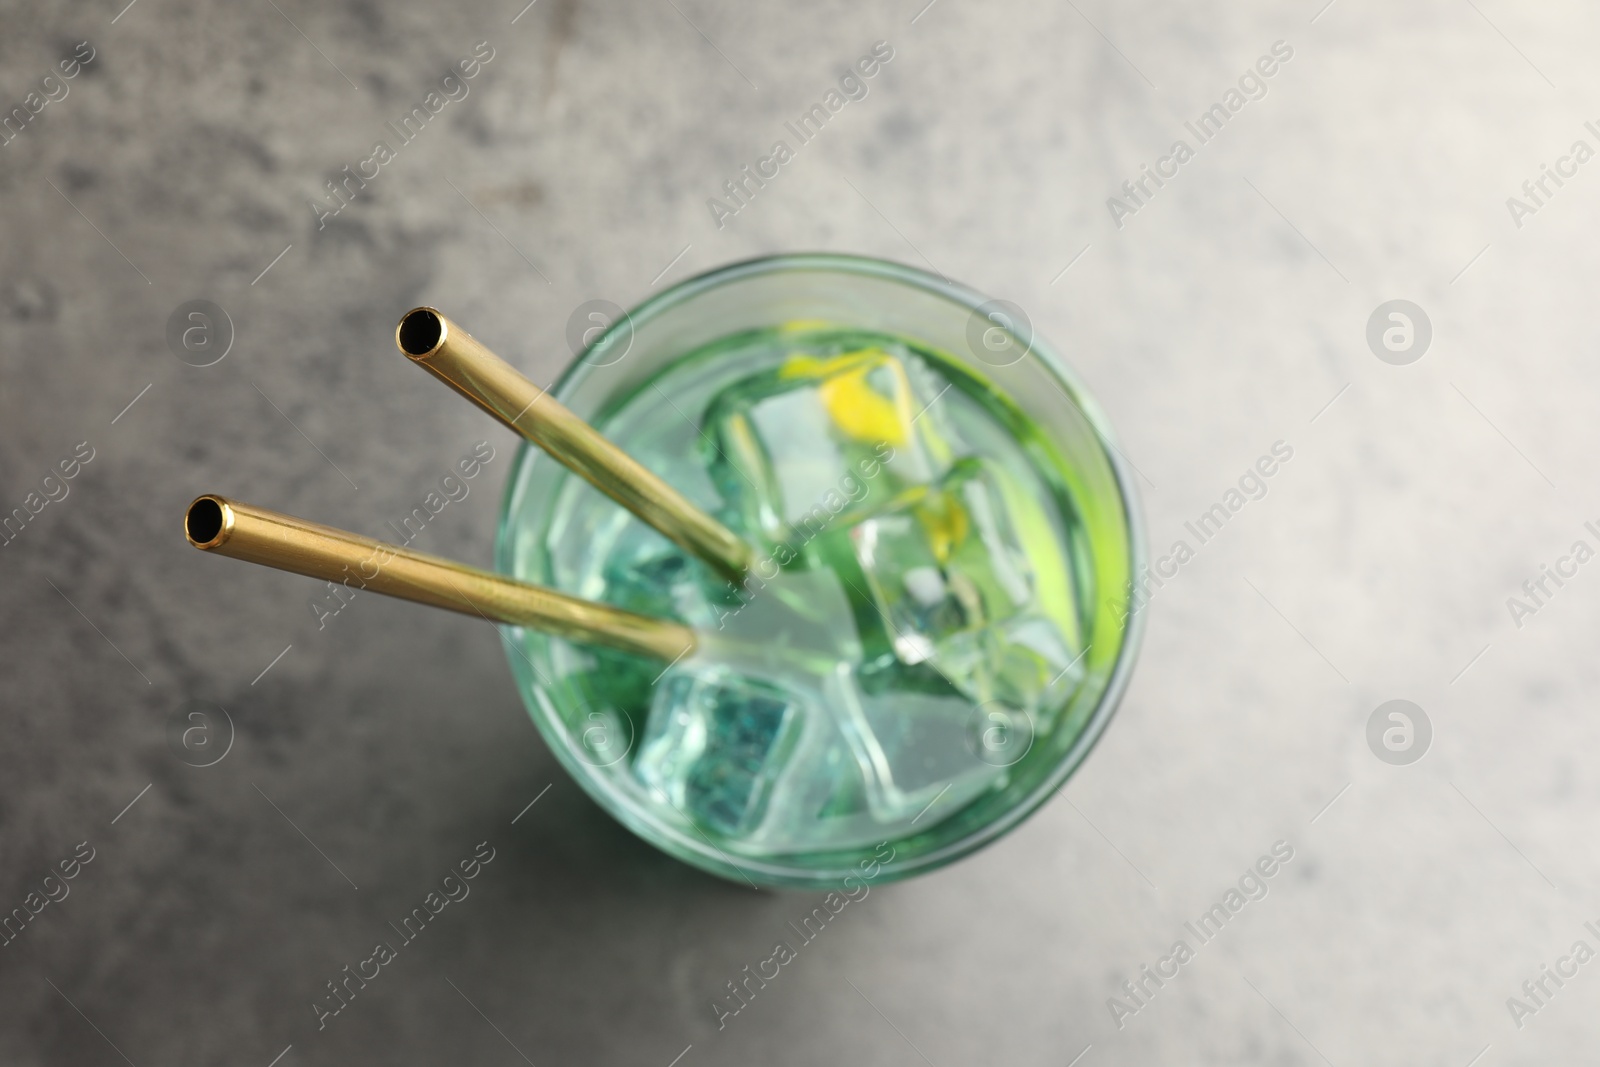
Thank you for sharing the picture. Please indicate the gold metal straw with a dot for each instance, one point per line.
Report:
(242, 531)
(455, 358)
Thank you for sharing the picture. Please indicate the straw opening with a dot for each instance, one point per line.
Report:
(421, 331)
(204, 521)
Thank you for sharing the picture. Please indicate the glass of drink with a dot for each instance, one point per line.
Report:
(931, 637)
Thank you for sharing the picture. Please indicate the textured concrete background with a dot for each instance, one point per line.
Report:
(1227, 314)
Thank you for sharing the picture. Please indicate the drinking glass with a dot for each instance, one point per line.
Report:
(660, 381)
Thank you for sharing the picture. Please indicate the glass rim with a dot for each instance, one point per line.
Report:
(708, 857)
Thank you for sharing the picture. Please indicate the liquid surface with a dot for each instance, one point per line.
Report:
(913, 624)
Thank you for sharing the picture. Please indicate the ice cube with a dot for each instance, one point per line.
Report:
(918, 748)
(635, 568)
(714, 744)
(821, 439)
(801, 761)
(821, 798)
(953, 588)
(742, 737)
(645, 573)
(1032, 662)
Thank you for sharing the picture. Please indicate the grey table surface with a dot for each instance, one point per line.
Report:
(1228, 312)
